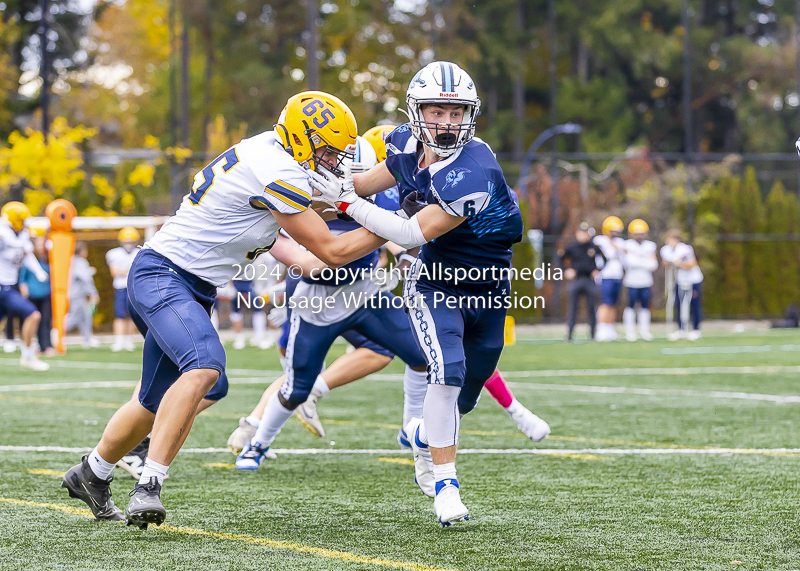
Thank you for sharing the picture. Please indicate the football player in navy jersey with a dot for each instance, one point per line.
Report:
(458, 289)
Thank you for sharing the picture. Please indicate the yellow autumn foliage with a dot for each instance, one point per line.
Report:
(143, 174)
(180, 154)
(54, 164)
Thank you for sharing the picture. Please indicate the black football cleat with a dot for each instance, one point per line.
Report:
(145, 506)
(83, 484)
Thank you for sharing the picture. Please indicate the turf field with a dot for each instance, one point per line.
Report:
(663, 456)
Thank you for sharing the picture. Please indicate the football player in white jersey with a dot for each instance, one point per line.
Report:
(16, 250)
(356, 304)
(640, 263)
(613, 247)
(233, 213)
(119, 262)
(688, 286)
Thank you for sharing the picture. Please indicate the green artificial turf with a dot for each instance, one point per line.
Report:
(582, 509)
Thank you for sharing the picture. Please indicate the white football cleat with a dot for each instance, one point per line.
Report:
(117, 347)
(646, 336)
(631, 337)
(529, 424)
(694, 335)
(239, 343)
(129, 346)
(677, 335)
(241, 436)
(252, 456)
(423, 462)
(306, 413)
(448, 506)
(34, 364)
(266, 343)
(9, 346)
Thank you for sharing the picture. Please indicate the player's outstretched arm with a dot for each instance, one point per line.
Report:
(289, 253)
(312, 232)
(375, 180)
(427, 224)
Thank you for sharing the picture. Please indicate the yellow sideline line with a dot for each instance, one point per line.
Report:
(44, 472)
(580, 456)
(275, 544)
(397, 461)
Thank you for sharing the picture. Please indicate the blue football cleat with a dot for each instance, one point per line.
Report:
(252, 456)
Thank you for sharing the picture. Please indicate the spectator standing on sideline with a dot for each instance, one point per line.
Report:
(688, 280)
(581, 273)
(82, 295)
(38, 292)
(119, 261)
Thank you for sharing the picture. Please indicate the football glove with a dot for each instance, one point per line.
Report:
(331, 189)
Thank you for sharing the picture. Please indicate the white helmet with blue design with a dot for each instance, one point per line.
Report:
(442, 83)
(365, 156)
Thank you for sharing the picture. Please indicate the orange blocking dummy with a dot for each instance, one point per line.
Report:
(60, 212)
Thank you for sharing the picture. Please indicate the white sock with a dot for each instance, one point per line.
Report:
(259, 325)
(253, 421)
(239, 338)
(512, 408)
(321, 386)
(644, 321)
(119, 339)
(415, 385)
(629, 319)
(444, 471)
(440, 412)
(99, 466)
(275, 416)
(27, 351)
(152, 468)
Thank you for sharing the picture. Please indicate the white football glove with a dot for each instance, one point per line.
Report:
(277, 316)
(42, 276)
(386, 280)
(331, 189)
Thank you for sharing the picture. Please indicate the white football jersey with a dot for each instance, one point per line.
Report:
(13, 248)
(639, 263)
(684, 253)
(122, 260)
(614, 252)
(225, 221)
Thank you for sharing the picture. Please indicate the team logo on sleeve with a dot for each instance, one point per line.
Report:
(455, 176)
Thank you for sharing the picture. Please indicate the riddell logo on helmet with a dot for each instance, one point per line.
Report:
(448, 95)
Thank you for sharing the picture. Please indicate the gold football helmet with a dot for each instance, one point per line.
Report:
(15, 213)
(612, 224)
(314, 123)
(377, 138)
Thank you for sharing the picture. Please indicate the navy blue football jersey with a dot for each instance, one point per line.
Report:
(389, 200)
(469, 183)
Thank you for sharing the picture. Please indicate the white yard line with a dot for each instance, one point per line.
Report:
(534, 451)
(779, 399)
(732, 349)
(259, 380)
(650, 371)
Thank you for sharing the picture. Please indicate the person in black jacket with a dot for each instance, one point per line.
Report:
(581, 255)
